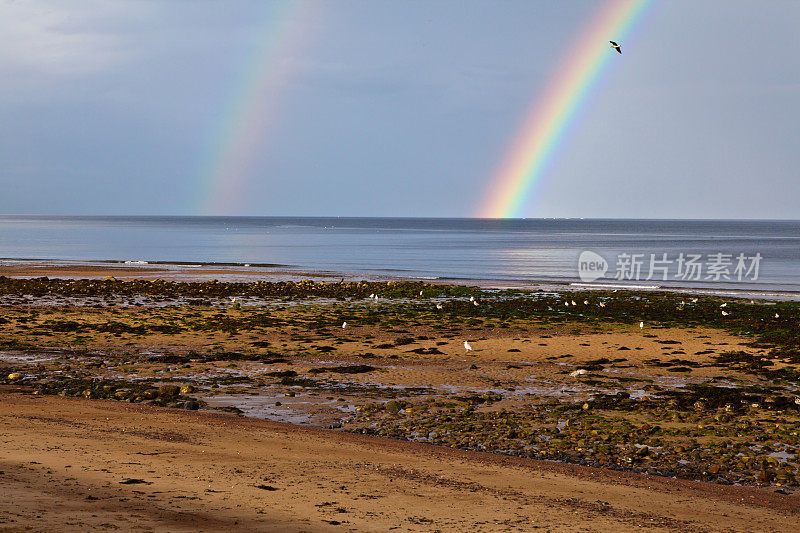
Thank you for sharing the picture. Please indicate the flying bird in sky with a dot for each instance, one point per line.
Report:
(616, 47)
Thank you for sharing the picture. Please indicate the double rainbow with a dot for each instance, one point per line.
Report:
(547, 123)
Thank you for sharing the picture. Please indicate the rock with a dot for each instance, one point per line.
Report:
(392, 407)
(579, 372)
(150, 394)
(187, 389)
(168, 391)
(191, 405)
(14, 376)
(764, 476)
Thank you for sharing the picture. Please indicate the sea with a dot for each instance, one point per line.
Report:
(757, 256)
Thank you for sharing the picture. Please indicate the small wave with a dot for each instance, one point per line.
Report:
(136, 263)
(613, 286)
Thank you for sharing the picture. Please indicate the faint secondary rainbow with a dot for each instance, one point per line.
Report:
(251, 113)
(546, 124)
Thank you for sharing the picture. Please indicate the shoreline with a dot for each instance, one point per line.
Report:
(187, 271)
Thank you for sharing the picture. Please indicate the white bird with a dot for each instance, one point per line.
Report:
(752, 302)
(371, 296)
(777, 315)
(233, 299)
(475, 303)
(566, 303)
(438, 306)
(725, 314)
(467, 347)
(586, 302)
(420, 293)
(602, 304)
(641, 325)
(693, 300)
(344, 325)
(573, 302)
(724, 305)
(471, 298)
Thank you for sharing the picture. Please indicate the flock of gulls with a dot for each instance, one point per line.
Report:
(468, 346)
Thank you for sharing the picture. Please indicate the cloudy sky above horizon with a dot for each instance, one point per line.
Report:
(365, 108)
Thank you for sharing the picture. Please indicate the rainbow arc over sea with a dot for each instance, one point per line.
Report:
(515, 181)
(252, 112)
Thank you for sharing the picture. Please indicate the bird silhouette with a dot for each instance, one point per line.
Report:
(616, 47)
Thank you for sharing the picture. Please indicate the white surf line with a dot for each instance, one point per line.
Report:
(613, 286)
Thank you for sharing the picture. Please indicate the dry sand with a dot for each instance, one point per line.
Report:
(64, 463)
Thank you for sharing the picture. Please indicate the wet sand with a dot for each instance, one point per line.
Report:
(103, 465)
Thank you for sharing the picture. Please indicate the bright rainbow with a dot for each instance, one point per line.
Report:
(253, 109)
(546, 124)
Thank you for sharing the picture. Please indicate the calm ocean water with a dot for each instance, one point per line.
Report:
(759, 255)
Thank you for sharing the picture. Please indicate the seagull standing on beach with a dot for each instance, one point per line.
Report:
(344, 325)
(467, 347)
(641, 325)
(616, 47)
(438, 306)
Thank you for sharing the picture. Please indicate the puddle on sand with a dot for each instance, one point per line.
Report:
(302, 409)
(24, 359)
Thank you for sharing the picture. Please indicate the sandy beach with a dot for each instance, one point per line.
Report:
(77, 465)
(150, 404)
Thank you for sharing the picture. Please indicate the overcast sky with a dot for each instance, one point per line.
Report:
(385, 108)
